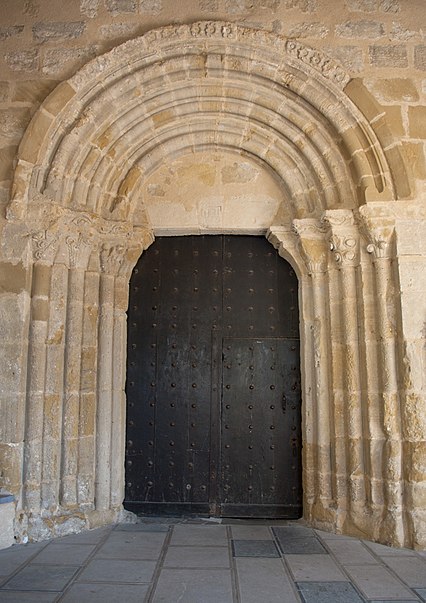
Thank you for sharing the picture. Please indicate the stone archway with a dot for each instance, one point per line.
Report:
(78, 221)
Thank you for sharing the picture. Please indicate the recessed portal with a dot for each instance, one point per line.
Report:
(213, 384)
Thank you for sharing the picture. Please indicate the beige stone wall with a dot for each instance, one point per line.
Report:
(214, 128)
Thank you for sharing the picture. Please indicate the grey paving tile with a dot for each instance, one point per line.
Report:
(314, 568)
(393, 600)
(106, 593)
(41, 577)
(197, 556)
(254, 548)
(251, 533)
(376, 581)
(327, 592)
(27, 597)
(118, 570)
(350, 551)
(141, 527)
(89, 537)
(14, 556)
(195, 535)
(293, 532)
(124, 545)
(332, 536)
(298, 541)
(264, 580)
(421, 592)
(194, 586)
(411, 570)
(64, 554)
(387, 551)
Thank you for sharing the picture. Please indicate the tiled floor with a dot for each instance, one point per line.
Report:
(201, 562)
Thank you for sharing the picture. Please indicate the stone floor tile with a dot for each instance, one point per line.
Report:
(331, 536)
(314, 568)
(118, 570)
(141, 527)
(387, 551)
(254, 548)
(421, 592)
(124, 545)
(14, 556)
(328, 592)
(375, 581)
(293, 532)
(309, 545)
(41, 577)
(14, 596)
(197, 556)
(264, 579)
(194, 586)
(393, 600)
(350, 551)
(89, 537)
(411, 570)
(64, 554)
(195, 535)
(251, 533)
(105, 593)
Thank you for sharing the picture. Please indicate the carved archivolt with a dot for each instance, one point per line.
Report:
(228, 87)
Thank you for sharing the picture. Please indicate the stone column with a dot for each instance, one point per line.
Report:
(344, 243)
(78, 249)
(380, 231)
(111, 258)
(44, 251)
(314, 250)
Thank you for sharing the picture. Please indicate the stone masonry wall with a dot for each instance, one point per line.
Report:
(63, 295)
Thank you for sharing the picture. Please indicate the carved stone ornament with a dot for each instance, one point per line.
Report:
(312, 243)
(344, 238)
(379, 230)
(223, 31)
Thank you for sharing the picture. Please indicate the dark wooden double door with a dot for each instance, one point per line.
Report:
(213, 382)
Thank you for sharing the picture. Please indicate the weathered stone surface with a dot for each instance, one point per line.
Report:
(388, 56)
(32, 91)
(45, 32)
(209, 5)
(360, 29)
(89, 8)
(351, 57)
(417, 121)
(368, 6)
(60, 63)
(9, 32)
(22, 60)
(420, 57)
(393, 90)
(120, 6)
(309, 30)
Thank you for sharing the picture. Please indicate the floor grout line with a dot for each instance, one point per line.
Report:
(159, 565)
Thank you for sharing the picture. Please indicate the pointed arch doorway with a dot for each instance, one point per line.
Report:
(213, 385)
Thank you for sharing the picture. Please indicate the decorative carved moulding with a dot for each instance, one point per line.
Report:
(344, 236)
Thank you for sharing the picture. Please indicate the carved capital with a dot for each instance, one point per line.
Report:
(379, 230)
(79, 249)
(112, 257)
(344, 236)
(312, 244)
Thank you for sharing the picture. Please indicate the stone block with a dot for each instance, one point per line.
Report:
(7, 517)
(415, 154)
(417, 121)
(32, 91)
(369, 6)
(58, 31)
(305, 6)
(13, 122)
(7, 157)
(89, 8)
(350, 57)
(22, 60)
(115, 7)
(10, 31)
(208, 5)
(151, 6)
(420, 57)
(393, 90)
(62, 62)
(309, 30)
(360, 29)
(388, 56)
